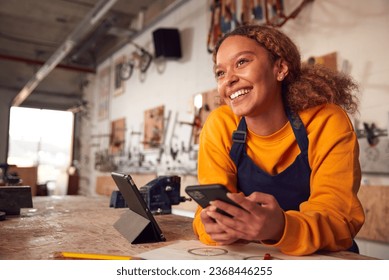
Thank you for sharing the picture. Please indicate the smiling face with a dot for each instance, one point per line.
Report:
(247, 78)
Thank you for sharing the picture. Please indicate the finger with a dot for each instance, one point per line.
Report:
(228, 236)
(203, 214)
(226, 208)
(234, 227)
(261, 198)
(247, 204)
(218, 214)
(223, 239)
(210, 224)
(206, 219)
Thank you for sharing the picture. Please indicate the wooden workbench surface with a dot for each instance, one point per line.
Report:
(84, 224)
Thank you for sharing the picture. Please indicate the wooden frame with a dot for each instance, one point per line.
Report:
(118, 83)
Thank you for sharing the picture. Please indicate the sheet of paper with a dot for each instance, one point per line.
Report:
(195, 250)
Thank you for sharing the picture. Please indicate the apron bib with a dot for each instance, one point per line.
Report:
(291, 186)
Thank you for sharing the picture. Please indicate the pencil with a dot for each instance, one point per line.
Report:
(90, 256)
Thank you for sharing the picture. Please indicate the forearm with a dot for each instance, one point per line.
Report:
(305, 233)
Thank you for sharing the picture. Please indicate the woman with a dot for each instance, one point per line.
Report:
(284, 146)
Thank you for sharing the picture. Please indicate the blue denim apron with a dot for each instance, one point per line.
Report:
(290, 187)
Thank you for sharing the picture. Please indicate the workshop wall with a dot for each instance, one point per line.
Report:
(357, 32)
(172, 83)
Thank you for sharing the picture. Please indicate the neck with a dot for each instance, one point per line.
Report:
(267, 124)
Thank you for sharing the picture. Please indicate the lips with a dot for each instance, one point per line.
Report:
(239, 93)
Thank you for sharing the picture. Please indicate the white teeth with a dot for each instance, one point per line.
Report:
(239, 93)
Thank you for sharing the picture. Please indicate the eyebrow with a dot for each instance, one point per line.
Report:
(234, 57)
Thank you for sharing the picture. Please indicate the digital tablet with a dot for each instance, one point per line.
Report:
(130, 192)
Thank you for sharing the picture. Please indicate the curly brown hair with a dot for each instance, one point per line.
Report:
(306, 85)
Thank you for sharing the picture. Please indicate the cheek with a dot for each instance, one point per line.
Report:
(222, 94)
(220, 89)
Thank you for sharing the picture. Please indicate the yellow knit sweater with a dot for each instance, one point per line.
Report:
(333, 215)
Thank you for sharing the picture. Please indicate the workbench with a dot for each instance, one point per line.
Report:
(85, 224)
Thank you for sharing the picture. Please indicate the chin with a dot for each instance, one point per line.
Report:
(238, 113)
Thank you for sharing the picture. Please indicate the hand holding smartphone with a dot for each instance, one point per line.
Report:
(203, 194)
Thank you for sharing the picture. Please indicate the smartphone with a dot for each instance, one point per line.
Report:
(203, 194)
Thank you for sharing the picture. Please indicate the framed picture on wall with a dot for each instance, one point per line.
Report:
(118, 84)
(374, 159)
(204, 103)
(104, 91)
(117, 139)
(154, 127)
(328, 60)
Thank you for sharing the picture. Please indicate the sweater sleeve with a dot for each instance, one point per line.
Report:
(214, 163)
(333, 215)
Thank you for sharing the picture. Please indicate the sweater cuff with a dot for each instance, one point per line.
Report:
(284, 237)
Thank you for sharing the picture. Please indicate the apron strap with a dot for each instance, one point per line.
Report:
(238, 141)
(299, 131)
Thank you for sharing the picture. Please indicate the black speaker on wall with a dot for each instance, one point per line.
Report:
(167, 43)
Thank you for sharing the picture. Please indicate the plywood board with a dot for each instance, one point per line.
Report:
(375, 201)
(374, 159)
(29, 176)
(210, 101)
(105, 184)
(328, 60)
(154, 127)
(117, 140)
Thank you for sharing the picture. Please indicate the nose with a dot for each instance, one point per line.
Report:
(231, 79)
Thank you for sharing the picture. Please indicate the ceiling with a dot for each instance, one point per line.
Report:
(32, 32)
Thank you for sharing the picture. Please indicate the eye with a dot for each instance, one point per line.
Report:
(241, 62)
(219, 74)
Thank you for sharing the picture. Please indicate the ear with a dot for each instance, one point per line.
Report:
(282, 69)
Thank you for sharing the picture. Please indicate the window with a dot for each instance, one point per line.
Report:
(42, 138)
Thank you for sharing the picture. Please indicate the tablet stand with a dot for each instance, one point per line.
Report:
(137, 229)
